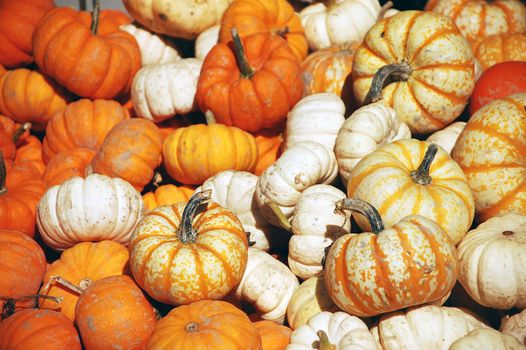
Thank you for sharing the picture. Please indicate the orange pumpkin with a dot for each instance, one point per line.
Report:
(83, 123)
(132, 150)
(251, 86)
(273, 336)
(170, 125)
(20, 191)
(18, 20)
(179, 257)
(29, 96)
(19, 146)
(276, 17)
(268, 143)
(38, 329)
(205, 324)
(23, 265)
(110, 21)
(113, 311)
(167, 195)
(84, 261)
(29, 151)
(67, 164)
(87, 63)
(501, 48)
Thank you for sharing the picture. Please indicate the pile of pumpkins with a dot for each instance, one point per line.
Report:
(263, 174)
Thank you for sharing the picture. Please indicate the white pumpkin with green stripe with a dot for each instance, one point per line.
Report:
(411, 177)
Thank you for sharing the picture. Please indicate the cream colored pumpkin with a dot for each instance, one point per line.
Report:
(154, 48)
(447, 137)
(315, 226)
(396, 180)
(235, 190)
(515, 325)
(420, 65)
(305, 164)
(185, 19)
(205, 41)
(424, 327)
(310, 298)
(267, 284)
(162, 91)
(338, 21)
(316, 117)
(342, 330)
(492, 262)
(486, 338)
(93, 209)
(368, 128)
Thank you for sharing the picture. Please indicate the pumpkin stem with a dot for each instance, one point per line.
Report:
(362, 207)
(20, 131)
(157, 179)
(283, 221)
(10, 303)
(282, 32)
(421, 175)
(384, 9)
(186, 232)
(324, 343)
(386, 75)
(3, 174)
(95, 17)
(83, 5)
(244, 67)
(77, 289)
(210, 118)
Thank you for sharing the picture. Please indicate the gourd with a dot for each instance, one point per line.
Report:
(447, 137)
(206, 41)
(486, 337)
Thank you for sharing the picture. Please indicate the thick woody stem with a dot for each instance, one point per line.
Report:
(421, 174)
(186, 232)
(95, 16)
(9, 305)
(83, 284)
(384, 9)
(324, 343)
(244, 67)
(386, 75)
(364, 208)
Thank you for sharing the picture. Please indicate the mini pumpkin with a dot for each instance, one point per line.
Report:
(447, 137)
(501, 48)
(273, 336)
(66, 165)
(488, 338)
(269, 148)
(166, 195)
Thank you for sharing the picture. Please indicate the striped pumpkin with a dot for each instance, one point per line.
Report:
(429, 62)
(501, 48)
(490, 151)
(411, 263)
(404, 178)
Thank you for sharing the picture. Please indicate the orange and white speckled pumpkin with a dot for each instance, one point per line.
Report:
(179, 257)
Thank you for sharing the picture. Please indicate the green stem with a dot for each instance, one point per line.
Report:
(283, 221)
(386, 75)
(245, 69)
(3, 174)
(364, 208)
(95, 16)
(20, 131)
(324, 343)
(186, 233)
(421, 174)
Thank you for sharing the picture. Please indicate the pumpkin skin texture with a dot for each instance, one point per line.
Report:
(29, 151)
(486, 337)
(131, 151)
(388, 179)
(205, 324)
(38, 329)
(180, 260)
(15, 35)
(489, 256)
(411, 263)
(84, 261)
(489, 151)
(256, 93)
(23, 265)
(515, 325)
(66, 165)
(166, 195)
(83, 123)
(94, 66)
(194, 153)
(29, 96)
(263, 17)
(447, 137)
(113, 310)
(273, 336)
(86, 210)
(269, 148)
(431, 88)
(501, 48)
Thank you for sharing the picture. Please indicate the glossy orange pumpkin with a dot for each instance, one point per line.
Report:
(273, 336)
(167, 195)
(113, 311)
(67, 164)
(252, 85)
(131, 150)
(501, 48)
(268, 143)
(205, 324)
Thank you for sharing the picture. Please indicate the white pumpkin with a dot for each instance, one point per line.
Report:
(492, 260)
(514, 325)
(205, 41)
(154, 48)
(447, 137)
(315, 226)
(339, 21)
(368, 128)
(343, 331)
(309, 299)
(486, 338)
(424, 327)
(316, 117)
(162, 91)
(267, 284)
(305, 164)
(235, 190)
(88, 210)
